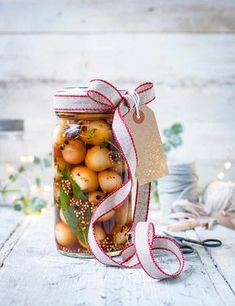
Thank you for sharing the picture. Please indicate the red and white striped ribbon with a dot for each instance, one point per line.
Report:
(103, 97)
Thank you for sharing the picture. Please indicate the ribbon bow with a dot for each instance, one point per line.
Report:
(107, 95)
(103, 96)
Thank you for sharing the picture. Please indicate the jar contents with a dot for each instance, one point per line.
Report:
(87, 167)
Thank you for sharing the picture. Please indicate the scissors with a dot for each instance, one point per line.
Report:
(187, 249)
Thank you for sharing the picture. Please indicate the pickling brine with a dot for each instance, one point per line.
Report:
(88, 166)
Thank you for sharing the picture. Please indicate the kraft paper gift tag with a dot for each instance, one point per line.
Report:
(151, 157)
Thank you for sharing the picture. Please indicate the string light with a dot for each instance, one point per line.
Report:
(26, 158)
(227, 166)
(10, 168)
(33, 188)
(47, 188)
(220, 175)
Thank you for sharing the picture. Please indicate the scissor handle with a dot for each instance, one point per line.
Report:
(186, 249)
(211, 243)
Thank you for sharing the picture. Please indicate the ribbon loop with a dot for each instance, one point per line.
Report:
(104, 93)
(146, 242)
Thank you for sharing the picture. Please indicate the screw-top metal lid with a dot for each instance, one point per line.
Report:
(11, 125)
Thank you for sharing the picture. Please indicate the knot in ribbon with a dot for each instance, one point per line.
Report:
(102, 96)
(108, 96)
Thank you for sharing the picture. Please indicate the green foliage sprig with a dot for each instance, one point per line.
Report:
(172, 140)
(25, 201)
(173, 137)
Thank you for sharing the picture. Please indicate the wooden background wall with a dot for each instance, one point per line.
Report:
(186, 47)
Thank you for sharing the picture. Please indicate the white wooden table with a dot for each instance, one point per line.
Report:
(32, 273)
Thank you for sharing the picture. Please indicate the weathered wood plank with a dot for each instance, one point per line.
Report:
(219, 282)
(12, 240)
(117, 16)
(35, 274)
(13, 224)
(174, 60)
(10, 219)
(223, 257)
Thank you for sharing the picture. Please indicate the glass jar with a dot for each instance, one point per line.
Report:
(87, 166)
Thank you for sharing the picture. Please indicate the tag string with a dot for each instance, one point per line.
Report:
(136, 101)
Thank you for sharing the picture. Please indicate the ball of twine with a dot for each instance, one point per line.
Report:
(219, 196)
(218, 203)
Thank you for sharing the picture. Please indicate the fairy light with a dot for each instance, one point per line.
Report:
(33, 188)
(23, 159)
(220, 175)
(26, 158)
(227, 165)
(47, 188)
(10, 168)
(30, 158)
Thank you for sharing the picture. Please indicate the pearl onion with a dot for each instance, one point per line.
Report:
(97, 159)
(107, 216)
(95, 197)
(74, 152)
(99, 233)
(64, 235)
(59, 135)
(109, 180)
(95, 132)
(121, 214)
(85, 178)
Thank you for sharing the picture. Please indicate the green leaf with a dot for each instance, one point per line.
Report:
(36, 205)
(26, 200)
(104, 144)
(37, 160)
(155, 183)
(77, 192)
(64, 198)
(38, 181)
(167, 133)
(156, 196)
(175, 141)
(47, 162)
(91, 133)
(18, 204)
(166, 147)
(177, 128)
(70, 217)
(87, 228)
(21, 169)
(12, 178)
(113, 145)
(173, 137)
(58, 171)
